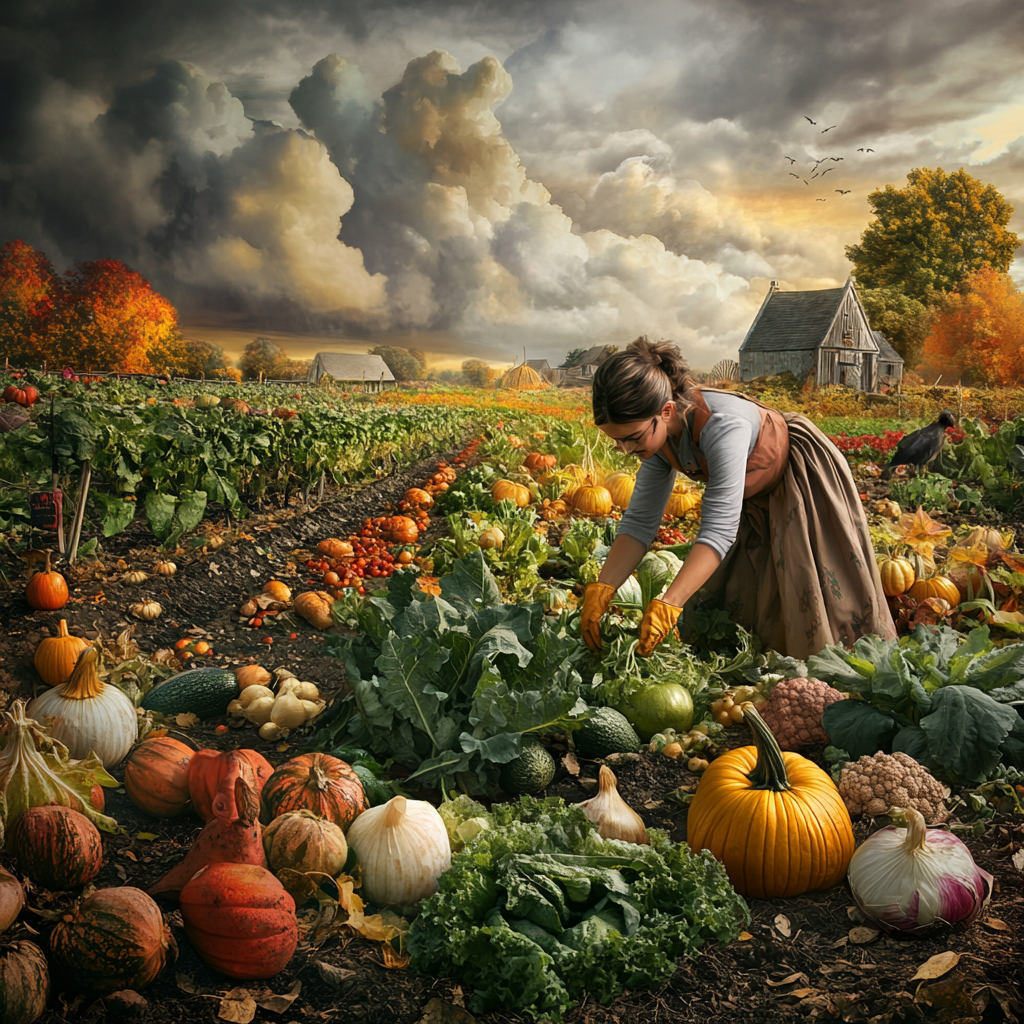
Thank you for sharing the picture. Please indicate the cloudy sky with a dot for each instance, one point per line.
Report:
(478, 177)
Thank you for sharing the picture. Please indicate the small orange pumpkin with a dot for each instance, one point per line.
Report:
(535, 462)
(590, 499)
(400, 530)
(897, 575)
(520, 494)
(315, 607)
(936, 586)
(47, 590)
(156, 776)
(319, 783)
(332, 547)
(419, 497)
(55, 656)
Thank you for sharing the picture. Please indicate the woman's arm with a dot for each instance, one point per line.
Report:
(701, 562)
(623, 557)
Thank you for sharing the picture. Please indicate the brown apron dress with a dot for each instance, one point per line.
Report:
(802, 571)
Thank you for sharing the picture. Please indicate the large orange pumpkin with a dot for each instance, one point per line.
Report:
(115, 939)
(620, 487)
(207, 770)
(774, 819)
(319, 783)
(681, 500)
(156, 776)
(240, 920)
(56, 656)
(56, 846)
(47, 590)
(400, 530)
(936, 586)
(590, 499)
(24, 983)
(519, 493)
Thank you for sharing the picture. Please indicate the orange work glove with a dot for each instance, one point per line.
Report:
(659, 620)
(596, 599)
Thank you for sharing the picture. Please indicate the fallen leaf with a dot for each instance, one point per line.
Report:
(863, 934)
(789, 980)
(1018, 859)
(995, 925)
(237, 1006)
(334, 975)
(437, 1011)
(187, 984)
(936, 966)
(129, 855)
(186, 720)
(856, 915)
(950, 997)
(839, 943)
(744, 937)
(782, 926)
(393, 959)
(572, 766)
(146, 836)
(278, 1004)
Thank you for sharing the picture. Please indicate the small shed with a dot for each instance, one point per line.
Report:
(540, 365)
(371, 372)
(890, 362)
(824, 331)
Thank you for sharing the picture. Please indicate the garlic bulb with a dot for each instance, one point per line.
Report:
(135, 577)
(614, 818)
(254, 693)
(288, 712)
(87, 715)
(907, 880)
(258, 712)
(403, 849)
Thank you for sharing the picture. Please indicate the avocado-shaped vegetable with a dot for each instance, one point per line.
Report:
(530, 772)
(205, 692)
(606, 732)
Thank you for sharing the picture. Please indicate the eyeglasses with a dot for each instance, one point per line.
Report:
(635, 439)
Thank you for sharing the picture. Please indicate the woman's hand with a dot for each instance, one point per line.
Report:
(596, 599)
(659, 620)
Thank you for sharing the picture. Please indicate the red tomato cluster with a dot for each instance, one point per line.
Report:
(672, 535)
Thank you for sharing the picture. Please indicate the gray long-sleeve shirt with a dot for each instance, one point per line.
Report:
(726, 441)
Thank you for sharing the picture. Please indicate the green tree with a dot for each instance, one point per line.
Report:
(571, 357)
(478, 374)
(261, 355)
(401, 362)
(933, 234)
(903, 320)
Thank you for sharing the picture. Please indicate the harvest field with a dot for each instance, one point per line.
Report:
(393, 581)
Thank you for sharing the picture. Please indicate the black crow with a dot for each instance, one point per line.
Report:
(827, 169)
(837, 158)
(792, 175)
(819, 200)
(869, 151)
(842, 191)
(805, 181)
(861, 150)
(921, 448)
(828, 129)
(790, 159)
(806, 118)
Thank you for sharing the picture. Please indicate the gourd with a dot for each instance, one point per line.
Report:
(156, 777)
(240, 920)
(24, 983)
(400, 530)
(590, 499)
(325, 785)
(303, 841)
(897, 575)
(165, 568)
(115, 939)
(403, 849)
(88, 715)
(936, 586)
(494, 537)
(774, 819)
(502, 489)
(47, 590)
(535, 462)
(681, 501)
(620, 487)
(208, 768)
(56, 846)
(135, 577)
(334, 548)
(205, 692)
(55, 656)
(315, 607)
(207, 401)
(277, 590)
(26, 396)
(145, 610)
(12, 899)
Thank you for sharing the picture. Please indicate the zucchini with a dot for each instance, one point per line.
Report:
(205, 692)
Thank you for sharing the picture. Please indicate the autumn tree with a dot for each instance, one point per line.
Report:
(201, 359)
(478, 374)
(401, 362)
(29, 302)
(930, 236)
(977, 332)
(903, 320)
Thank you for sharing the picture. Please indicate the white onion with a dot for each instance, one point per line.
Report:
(88, 716)
(909, 879)
(403, 849)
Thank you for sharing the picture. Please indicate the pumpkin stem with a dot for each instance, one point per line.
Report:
(85, 682)
(318, 779)
(770, 770)
(62, 629)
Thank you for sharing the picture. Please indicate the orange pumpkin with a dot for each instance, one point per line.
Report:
(419, 497)
(591, 499)
(774, 819)
(156, 777)
(520, 494)
(535, 462)
(681, 501)
(319, 783)
(240, 920)
(47, 590)
(12, 899)
(24, 982)
(56, 847)
(897, 575)
(315, 607)
(207, 770)
(55, 656)
(620, 487)
(936, 586)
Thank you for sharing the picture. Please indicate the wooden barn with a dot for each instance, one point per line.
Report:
(890, 362)
(371, 372)
(825, 332)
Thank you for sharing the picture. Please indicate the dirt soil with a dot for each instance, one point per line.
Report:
(800, 959)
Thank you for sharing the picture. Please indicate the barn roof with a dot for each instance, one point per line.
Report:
(793, 320)
(348, 366)
(540, 365)
(886, 353)
(593, 356)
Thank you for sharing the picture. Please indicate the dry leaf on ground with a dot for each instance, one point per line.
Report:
(237, 1006)
(936, 966)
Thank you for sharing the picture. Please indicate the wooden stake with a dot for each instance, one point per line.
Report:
(83, 494)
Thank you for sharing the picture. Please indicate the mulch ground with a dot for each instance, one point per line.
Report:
(800, 959)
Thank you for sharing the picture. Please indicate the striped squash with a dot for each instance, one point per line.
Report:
(156, 776)
(24, 983)
(115, 939)
(325, 785)
(56, 847)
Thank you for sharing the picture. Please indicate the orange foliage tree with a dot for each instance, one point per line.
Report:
(29, 301)
(977, 332)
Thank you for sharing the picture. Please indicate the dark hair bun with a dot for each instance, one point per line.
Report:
(636, 382)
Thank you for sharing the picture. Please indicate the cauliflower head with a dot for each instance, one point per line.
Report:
(874, 784)
(794, 709)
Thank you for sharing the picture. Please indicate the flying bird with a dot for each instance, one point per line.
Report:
(790, 159)
(921, 448)
(813, 176)
(819, 200)
(827, 169)
(842, 191)
(792, 175)
(865, 151)
(805, 181)
(806, 118)
(836, 158)
(828, 129)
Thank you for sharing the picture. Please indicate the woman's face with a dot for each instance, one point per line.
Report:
(641, 438)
